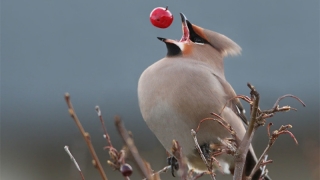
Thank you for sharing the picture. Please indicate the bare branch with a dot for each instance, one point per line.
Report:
(86, 137)
(246, 141)
(283, 130)
(132, 148)
(264, 171)
(163, 170)
(198, 176)
(66, 148)
(243, 97)
(276, 107)
(288, 95)
(106, 135)
(177, 153)
(223, 123)
(272, 139)
(268, 128)
(230, 148)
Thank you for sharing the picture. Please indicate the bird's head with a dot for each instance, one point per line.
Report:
(195, 39)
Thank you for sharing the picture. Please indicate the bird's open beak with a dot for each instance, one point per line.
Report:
(185, 29)
(185, 32)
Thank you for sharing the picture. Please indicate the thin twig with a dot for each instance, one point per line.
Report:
(288, 95)
(243, 97)
(265, 162)
(258, 119)
(223, 123)
(258, 164)
(230, 148)
(213, 119)
(176, 151)
(106, 135)
(264, 166)
(66, 148)
(132, 148)
(198, 176)
(255, 107)
(268, 129)
(214, 160)
(276, 107)
(272, 139)
(194, 135)
(163, 170)
(86, 137)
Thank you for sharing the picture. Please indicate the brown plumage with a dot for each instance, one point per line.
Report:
(184, 87)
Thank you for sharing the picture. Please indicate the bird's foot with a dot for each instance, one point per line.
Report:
(173, 162)
(205, 148)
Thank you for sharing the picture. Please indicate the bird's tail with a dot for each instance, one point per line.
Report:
(250, 163)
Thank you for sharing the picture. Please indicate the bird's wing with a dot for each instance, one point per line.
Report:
(234, 103)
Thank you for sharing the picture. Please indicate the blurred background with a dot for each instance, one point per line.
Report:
(96, 51)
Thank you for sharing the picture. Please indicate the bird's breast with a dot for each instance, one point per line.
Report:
(178, 92)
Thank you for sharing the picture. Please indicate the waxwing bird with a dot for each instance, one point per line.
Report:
(180, 90)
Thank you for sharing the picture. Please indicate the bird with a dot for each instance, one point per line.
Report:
(176, 92)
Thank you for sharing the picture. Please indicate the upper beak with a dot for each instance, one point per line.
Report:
(183, 18)
(185, 29)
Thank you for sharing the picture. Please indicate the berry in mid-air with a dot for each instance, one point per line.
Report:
(161, 17)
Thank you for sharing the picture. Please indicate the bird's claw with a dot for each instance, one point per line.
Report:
(173, 162)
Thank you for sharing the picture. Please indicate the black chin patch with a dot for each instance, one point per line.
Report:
(173, 50)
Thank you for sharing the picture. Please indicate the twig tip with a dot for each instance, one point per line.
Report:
(193, 133)
(98, 110)
(117, 119)
(66, 94)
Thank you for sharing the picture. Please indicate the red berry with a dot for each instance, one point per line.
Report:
(126, 169)
(161, 17)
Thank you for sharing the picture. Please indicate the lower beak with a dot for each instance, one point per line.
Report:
(166, 40)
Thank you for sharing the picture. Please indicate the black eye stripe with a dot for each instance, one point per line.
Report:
(198, 40)
(194, 37)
